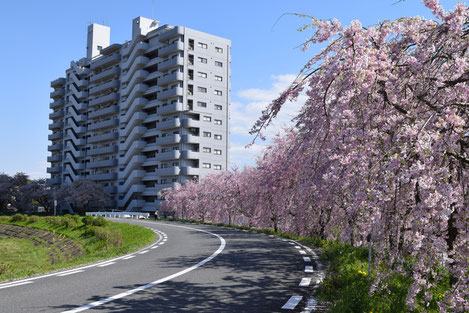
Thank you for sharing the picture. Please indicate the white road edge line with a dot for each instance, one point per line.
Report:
(292, 302)
(71, 273)
(302, 252)
(17, 284)
(159, 281)
(143, 252)
(106, 264)
(128, 257)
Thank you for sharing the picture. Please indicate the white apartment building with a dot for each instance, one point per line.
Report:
(140, 116)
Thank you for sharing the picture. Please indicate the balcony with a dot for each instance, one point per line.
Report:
(105, 75)
(110, 189)
(54, 170)
(103, 150)
(170, 155)
(170, 93)
(190, 139)
(168, 140)
(56, 115)
(190, 171)
(104, 163)
(54, 158)
(113, 109)
(112, 97)
(188, 154)
(56, 125)
(168, 64)
(59, 82)
(169, 124)
(113, 84)
(57, 104)
(175, 46)
(106, 61)
(103, 137)
(58, 93)
(170, 78)
(108, 176)
(53, 181)
(54, 136)
(104, 124)
(190, 123)
(55, 147)
(170, 171)
(176, 31)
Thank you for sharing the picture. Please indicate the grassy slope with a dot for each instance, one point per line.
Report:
(133, 237)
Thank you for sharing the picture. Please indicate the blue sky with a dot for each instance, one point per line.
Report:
(40, 38)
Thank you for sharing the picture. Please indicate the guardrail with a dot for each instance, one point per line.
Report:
(136, 215)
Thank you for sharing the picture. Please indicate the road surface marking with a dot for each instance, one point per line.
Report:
(16, 284)
(305, 281)
(306, 259)
(143, 252)
(302, 252)
(298, 247)
(310, 305)
(161, 243)
(106, 264)
(154, 247)
(128, 257)
(159, 281)
(292, 302)
(309, 269)
(70, 273)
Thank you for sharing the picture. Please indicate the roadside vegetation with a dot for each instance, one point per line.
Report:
(32, 244)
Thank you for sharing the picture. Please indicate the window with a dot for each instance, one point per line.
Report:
(217, 137)
(217, 63)
(201, 89)
(218, 92)
(207, 149)
(217, 166)
(218, 78)
(202, 45)
(218, 49)
(202, 74)
(206, 165)
(163, 181)
(217, 122)
(174, 180)
(202, 60)
(218, 107)
(207, 119)
(207, 134)
(201, 104)
(217, 152)
(191, 44)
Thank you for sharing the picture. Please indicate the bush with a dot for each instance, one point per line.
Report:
(48, 219)
(113, 238)
(88, 220)
(57, 221)
(5, 268)
(33, 219)
(99, 221)
(18, 218)
(4, 218)
(69, 222)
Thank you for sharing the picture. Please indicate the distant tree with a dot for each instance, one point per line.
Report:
(5, 191)
(38, 192)
(83, 194)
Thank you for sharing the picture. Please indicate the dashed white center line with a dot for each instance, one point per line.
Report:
(143, 252)
(17, 284)
(292, 302)
(302, 252)
(70, 273)
(309, 269)
(292, 243)
(128, 257)
(154, 247)
(306, 259)
(305, 281)
(106, 264)
(298, 247)
(161, 243)
(310, 305)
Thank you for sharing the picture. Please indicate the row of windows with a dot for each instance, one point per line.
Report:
(209, 119)
(203, 45)
(204, 90)
(204, 75)
(204, 60)
(208, 165)
(209, 150)
(209, 134)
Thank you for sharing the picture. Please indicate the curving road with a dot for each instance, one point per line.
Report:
(190, 268)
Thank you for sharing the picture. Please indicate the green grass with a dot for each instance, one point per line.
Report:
(118, 239)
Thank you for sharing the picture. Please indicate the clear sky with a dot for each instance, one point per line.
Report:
(40, 38)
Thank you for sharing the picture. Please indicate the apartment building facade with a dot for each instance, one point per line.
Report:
(141, 116)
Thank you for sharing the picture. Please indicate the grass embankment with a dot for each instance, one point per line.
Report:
(74, 240)
(346, 287)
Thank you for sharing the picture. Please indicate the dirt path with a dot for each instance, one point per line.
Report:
(58, 248)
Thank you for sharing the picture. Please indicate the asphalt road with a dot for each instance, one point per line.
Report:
(190, 268)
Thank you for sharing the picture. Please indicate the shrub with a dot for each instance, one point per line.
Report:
(88, 220)
(5, 268)
(69, 222)
(18, 217)
(113, 238)
(99, 221)
(57, 221)
(48, 219)
(33, 219)
(4, 218)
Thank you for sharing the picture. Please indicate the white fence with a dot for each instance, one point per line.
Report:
(136, 215)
